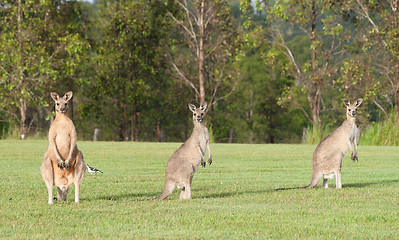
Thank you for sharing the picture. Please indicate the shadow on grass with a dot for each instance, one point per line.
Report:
(135, 196)
(232, 194)
(349, 185)
(292, 188)
(366, 184)
(151, 195)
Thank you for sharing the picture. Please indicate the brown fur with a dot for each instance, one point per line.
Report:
(63, 163)
(184, 161)
(327, 158)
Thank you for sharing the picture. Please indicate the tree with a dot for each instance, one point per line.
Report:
(128, 60)
(33, 37)
(210, 37)
(322, 27)
(379, 38)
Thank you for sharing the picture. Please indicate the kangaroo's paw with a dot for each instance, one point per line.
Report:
(67, 165)
(354, 157)
(203, 163)
(61, 164)
(210, 160)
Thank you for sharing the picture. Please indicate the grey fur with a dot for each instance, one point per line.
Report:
(184, 161)
(327, 158)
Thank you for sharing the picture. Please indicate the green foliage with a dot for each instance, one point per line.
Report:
(383, 133)
(116, 56)
(315, 135)
(38, 48)
(4, 126)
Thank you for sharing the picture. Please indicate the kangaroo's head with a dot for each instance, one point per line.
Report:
(198, 113)
(61, 103)
(351, 109)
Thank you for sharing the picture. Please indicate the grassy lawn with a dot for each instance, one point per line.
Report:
(234, 198)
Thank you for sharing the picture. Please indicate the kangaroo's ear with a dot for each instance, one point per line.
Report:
(346, 102)
(358, 102)
(68, 95)
(192, 107)
(203, 106)
(54, 96)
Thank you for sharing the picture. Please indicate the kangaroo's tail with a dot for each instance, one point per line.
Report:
(315, 180)
(312, 184)
(167, 190)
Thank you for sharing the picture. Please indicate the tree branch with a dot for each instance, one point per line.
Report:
(367, 16)
(380, 107)
(188, 82)
(219, 43)
(192, 34)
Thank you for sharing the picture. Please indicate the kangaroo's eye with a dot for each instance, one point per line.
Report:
(202, 114)
(66, 104)
(195, 114)
(58, 104)
(349, 110)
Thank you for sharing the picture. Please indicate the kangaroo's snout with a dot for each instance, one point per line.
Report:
(352, 113)
(200, 117)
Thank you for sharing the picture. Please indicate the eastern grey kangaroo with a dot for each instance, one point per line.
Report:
(327, 158)
(63, 163)
(184, 161)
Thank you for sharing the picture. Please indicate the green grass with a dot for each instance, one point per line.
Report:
(315, 136)
(383, 133)
(234, 198)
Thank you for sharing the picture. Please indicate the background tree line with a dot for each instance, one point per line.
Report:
(269, 70)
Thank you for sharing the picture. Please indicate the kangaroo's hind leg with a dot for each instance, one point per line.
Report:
(48, 176)
(62, 194)
(325, 179)
(80, 170)
(186, 191)
(338, 179)
(325, 183)
(186, 194)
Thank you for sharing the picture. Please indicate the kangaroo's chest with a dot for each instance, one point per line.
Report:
(202, 141)
(63, 136)
(352, 132)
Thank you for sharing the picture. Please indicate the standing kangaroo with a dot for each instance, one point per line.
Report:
(63, 163)
(327, 158)
(184, 161)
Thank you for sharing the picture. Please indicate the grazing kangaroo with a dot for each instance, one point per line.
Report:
(63, 163)
(184, 161)
(327, 158)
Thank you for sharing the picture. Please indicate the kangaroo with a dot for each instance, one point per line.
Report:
(63, 163)
(327, 158)
(184, 161)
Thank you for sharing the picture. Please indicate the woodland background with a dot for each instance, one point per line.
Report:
(271, 71)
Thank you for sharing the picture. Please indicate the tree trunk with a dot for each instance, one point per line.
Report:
(71, 105)
(137, 131)
(231, 135)
(315, 107)
(96, 134)
(315, 101)
(159, 130)
(396, 62)
(132, 122)
(200, 54)
(23, 124)
(134, 129)
(125, 123)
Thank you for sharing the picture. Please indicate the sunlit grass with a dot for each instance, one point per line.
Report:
(383, 133)
(234, 198)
